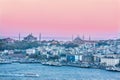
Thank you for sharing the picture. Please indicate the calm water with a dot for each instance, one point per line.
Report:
(54, 73)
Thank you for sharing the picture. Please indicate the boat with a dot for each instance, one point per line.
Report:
(115, 69)
(84, 66)
(28, 61)
(30, 75)
(57, 64)
(19, 75)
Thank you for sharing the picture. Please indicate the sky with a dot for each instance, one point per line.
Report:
(99, 19)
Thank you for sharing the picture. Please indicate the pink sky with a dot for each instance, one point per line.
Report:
(98, 18)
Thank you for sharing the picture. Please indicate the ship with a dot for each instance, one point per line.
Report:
(113, 68)
(30, 75)
(20, 75)
(52, 64)
(28, 61)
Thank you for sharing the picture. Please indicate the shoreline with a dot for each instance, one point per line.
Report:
(67, 65)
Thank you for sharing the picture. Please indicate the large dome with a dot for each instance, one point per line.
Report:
(78, 40)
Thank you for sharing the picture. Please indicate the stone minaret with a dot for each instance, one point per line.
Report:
(72, 37)
(40, 37)
(19, 37)
(89, 38)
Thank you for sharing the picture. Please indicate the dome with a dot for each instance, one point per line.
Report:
(78, 40)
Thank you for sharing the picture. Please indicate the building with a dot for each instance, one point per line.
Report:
(110, 61)
(78, 57)
(78, 40)
(7, 40)
(88, 58)
(30, 38)
(63, 58)
(97, 57)
(70, 58)
(30, 51)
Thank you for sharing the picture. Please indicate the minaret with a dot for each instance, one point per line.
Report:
(72, 37)
(83, 37)
(89, 38)
(40, 37)
(19, 36)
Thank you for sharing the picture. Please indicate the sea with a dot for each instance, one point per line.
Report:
(18, 71)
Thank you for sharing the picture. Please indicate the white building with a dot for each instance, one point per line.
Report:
(30, 51)
(110, 61)
(78, 57)
(97, 57)
(10, 52)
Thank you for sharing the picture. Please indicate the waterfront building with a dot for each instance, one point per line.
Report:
(78, 57)
(63, 58)
(97, 57)
(70, 58)
(16, 56)
(110, 61)
(88, 58)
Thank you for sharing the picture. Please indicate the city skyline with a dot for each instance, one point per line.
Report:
(59, 38)
(63, 18)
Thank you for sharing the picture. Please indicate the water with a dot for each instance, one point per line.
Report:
(54, 73)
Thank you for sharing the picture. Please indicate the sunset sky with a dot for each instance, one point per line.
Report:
(60, 18)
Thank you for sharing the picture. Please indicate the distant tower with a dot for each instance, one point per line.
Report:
(72, 37)
(40, 37)
(19, 36)
(89, 38)
(83, 37)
